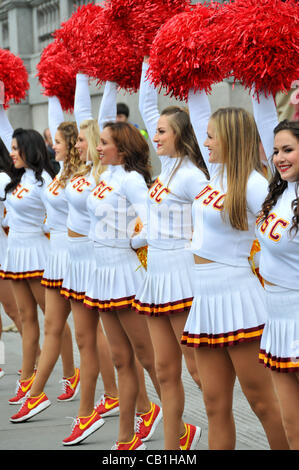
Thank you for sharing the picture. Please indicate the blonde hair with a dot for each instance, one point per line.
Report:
(238, 137)
(91, 130)
(72, 162)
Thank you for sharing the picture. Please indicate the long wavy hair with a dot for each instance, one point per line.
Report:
(185, 142)
(33, 151)
(91, 130)
(133, 147)
(238, 137)
(277, 185)
(6, 163)
(69, 133)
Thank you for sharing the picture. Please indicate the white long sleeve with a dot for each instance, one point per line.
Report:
(6, 130)
(55, 115)
(148, 104)
(200, 113)
(266, 119)
(82, 102)
(108, 109)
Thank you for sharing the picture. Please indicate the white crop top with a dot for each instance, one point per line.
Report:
(56, 206)
(279, 256)
(114, 205)
(76, 192)
(214, 237)
(170, 197)
(26, 204)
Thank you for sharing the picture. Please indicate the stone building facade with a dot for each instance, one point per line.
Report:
(25, 29)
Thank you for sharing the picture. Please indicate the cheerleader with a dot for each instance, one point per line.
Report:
(81, 262)
(228, 313)
(6, 294)
(166, 294)
(27, 244)
(58, 336)
(142, 340)
(113, 206)
(277, 231)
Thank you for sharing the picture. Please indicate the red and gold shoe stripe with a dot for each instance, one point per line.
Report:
(20, 276)
(109, 305)
(279, 364)
(155, 310)
(222, 339)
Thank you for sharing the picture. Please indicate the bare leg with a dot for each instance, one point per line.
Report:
(56, 335)
(124, 361)
(30, 327)
(257, 386)
(86, 325)
(106, 364)
(217, 377)
(168, 359)
(9, 303)
(287, 388)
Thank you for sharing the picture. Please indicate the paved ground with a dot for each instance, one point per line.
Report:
(46, 430)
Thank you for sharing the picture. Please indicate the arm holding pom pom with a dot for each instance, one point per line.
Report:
(55, 115)
(148, 104)
(107, 112)
(6, 130)
(82, 102)
(265, 115)
(200, 113)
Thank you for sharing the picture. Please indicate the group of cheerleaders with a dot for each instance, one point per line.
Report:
(198, 295)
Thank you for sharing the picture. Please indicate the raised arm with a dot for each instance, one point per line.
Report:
(265, 115)
(55, 115)
(6, 131)
(107, 111)
(148, 104)
(200, 113)
(82, 104)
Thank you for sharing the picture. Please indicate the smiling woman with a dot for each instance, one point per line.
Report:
(286, 154)
(278, 234)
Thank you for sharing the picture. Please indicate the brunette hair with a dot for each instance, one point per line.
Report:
(6, 163)
(33, 151)
(238, 137)
(133, 147)
(278, 185)
(185, 142)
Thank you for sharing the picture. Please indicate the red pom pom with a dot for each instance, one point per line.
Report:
(260, 41)
(143, 18)
(101, 48)
(57, 74)
(184, 54)
(14, 76)
(75, 33)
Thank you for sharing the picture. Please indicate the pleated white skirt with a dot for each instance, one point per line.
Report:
(81, 261)
(114, 280)
(167, 287)
(280, 341)
(228, 307)
(57, 260)
(26, 255)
